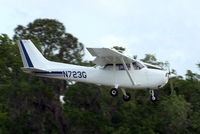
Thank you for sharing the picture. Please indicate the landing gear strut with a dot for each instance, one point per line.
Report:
(153, 97)
(126, 96)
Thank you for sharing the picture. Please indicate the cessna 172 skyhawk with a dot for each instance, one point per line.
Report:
(112, 69)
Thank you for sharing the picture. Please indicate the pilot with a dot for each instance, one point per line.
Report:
(135, 65)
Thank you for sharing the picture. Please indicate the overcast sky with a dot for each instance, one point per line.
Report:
(169, 29)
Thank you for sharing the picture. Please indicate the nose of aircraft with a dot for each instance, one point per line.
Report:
(169, 76)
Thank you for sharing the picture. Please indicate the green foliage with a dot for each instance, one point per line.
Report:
(198, 65)
(192, 76)
(33, 102)
(56, 44)
(119, 49)
(174, 111)
(149, 58)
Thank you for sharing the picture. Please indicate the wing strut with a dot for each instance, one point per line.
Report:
(129, 75)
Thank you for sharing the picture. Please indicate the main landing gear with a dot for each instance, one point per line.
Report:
(114, 92)
(126, 96)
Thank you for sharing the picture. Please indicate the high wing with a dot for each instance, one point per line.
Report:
(107, 56)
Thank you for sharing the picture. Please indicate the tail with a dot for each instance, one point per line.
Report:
(32, 59)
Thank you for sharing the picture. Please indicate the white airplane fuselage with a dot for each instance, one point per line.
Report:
(129, 77)
(144, 78)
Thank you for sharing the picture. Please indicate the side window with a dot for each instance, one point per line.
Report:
(108, 66)
(118, 67)
(121, 66)
(137, 66)
(128, 66)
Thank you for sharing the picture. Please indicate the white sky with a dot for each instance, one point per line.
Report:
(169, 29)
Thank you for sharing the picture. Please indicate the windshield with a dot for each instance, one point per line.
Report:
(137, 65)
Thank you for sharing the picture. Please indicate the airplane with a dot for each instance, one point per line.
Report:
(112, 69)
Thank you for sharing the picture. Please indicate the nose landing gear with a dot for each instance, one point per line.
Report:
(153, 98)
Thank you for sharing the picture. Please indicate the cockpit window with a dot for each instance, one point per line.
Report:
(108, 66)
(121, 66)
(137, 66)
(118, 66)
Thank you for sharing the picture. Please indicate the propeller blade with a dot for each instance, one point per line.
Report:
(171, 85)
(170, 76)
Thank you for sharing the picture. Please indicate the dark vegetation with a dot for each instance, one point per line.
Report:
(30, 104)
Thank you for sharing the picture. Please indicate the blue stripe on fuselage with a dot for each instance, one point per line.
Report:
(26, 55)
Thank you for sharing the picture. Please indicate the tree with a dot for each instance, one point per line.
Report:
(20, 98)
(56, 45)
(152, 60)
(192, 76)
(119, 49)
(198, 65)
(174, 112)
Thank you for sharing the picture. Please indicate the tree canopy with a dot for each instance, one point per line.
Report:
(55, 42)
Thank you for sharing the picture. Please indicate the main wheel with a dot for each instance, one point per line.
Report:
(153, 98)
(113, 92)
(127, 97)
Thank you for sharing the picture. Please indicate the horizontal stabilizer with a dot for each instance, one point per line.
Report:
(32, 69)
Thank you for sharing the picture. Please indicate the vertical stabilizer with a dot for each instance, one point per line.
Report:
(31, 56)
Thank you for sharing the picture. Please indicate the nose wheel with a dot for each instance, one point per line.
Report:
(153, 97)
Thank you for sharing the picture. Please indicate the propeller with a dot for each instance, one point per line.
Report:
(170, 75)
